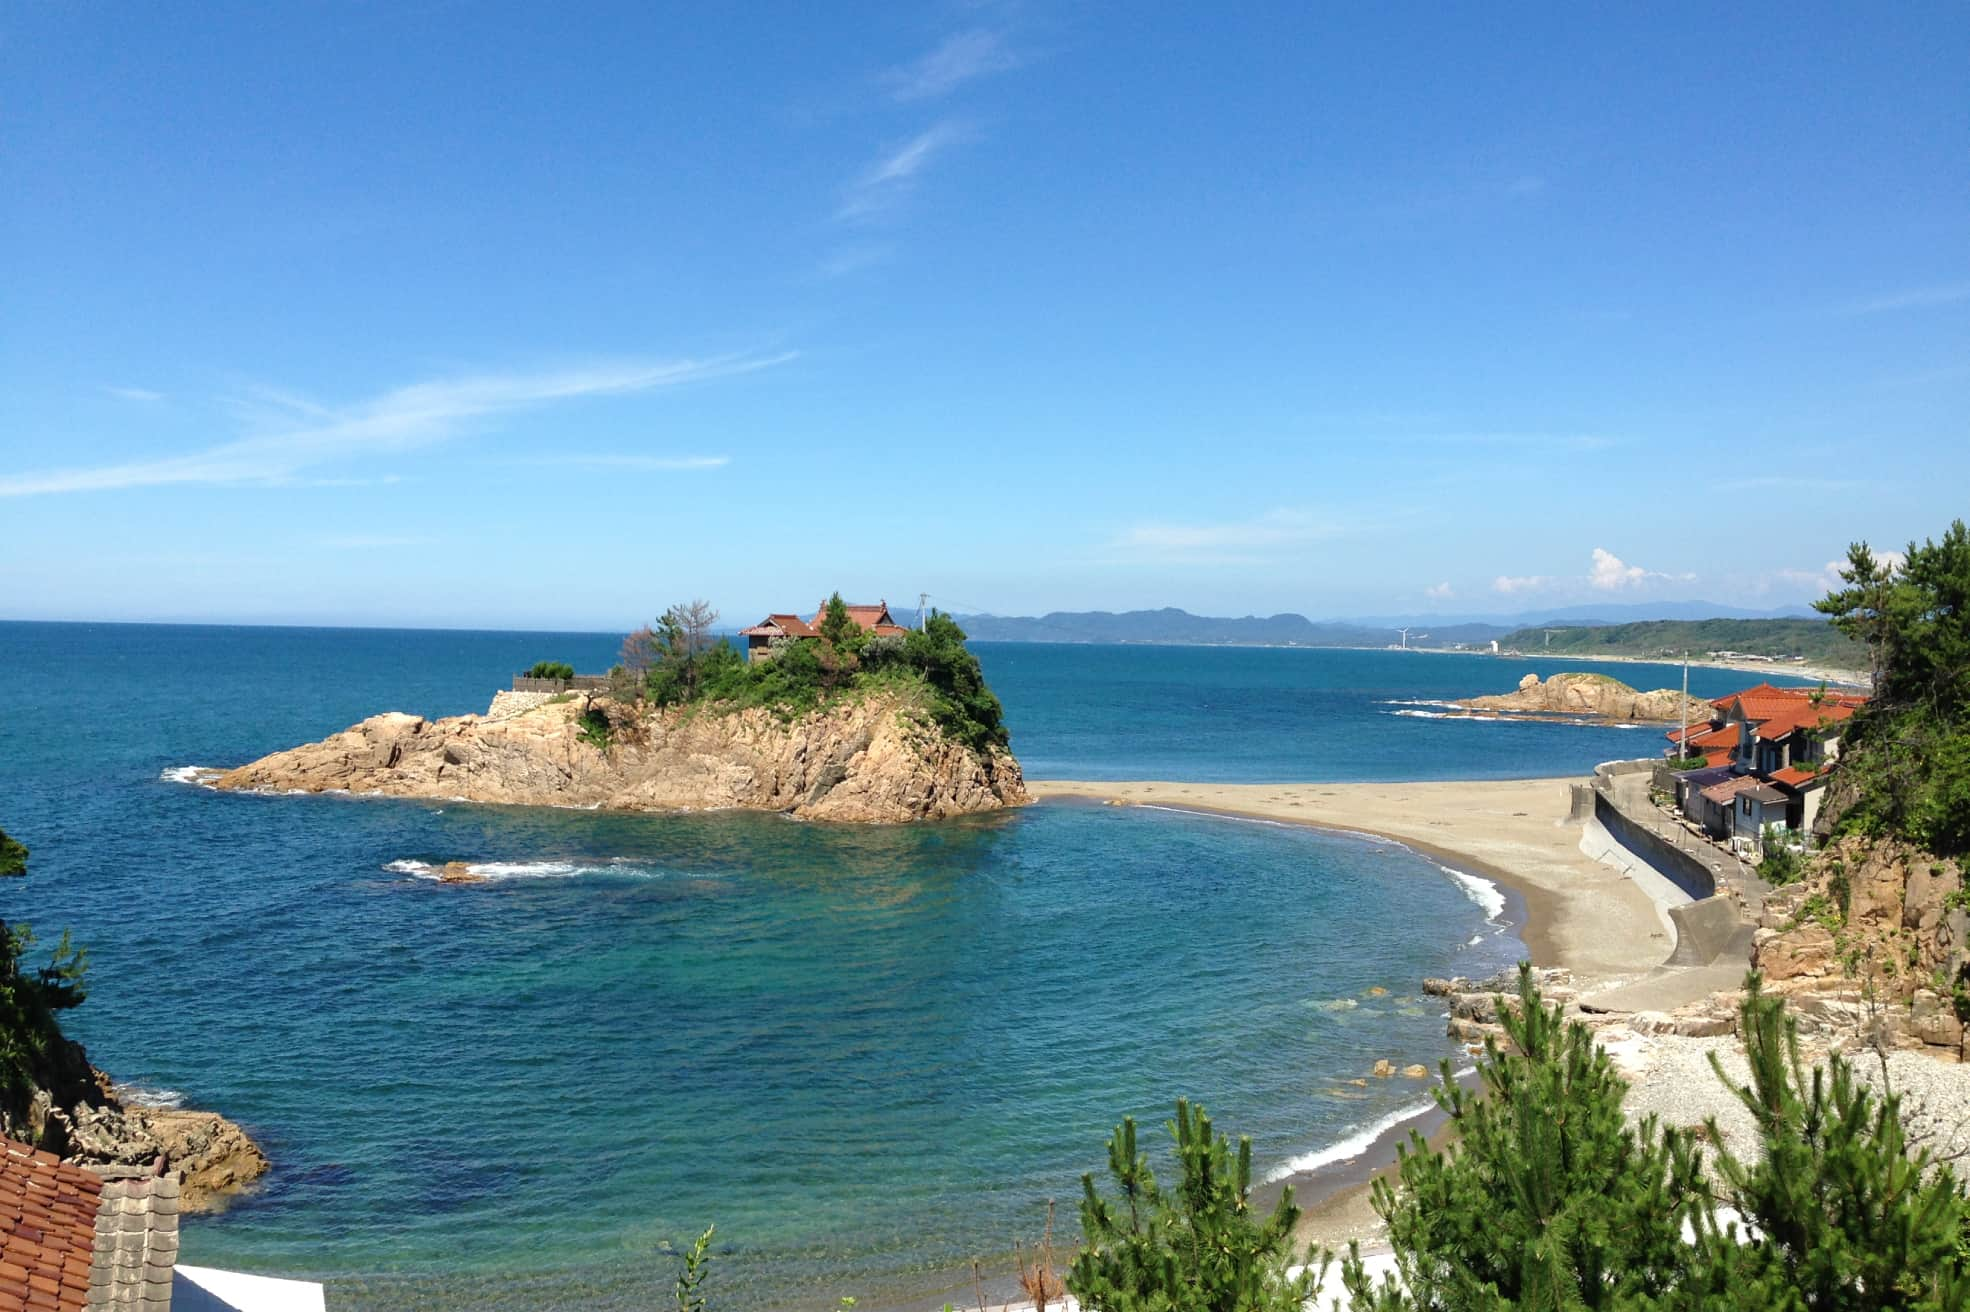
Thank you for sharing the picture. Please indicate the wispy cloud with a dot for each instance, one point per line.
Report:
(1510, 584)
(371, 542)
(645, 464)
(851, 259)
(141, 395)
(1915, 298)
(1229, 542)
(891, 177)
(398, 420)
(1439, 592)
(960, 58)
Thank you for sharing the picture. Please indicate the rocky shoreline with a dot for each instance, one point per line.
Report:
(86, 1118)
(876, 758)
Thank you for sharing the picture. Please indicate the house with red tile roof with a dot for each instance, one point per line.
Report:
(776, 630)
(75, 1238)
(1783, 739)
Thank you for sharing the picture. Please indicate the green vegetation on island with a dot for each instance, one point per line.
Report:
(1814, 641)
(1904, 767)
(550, 670)
(678, 662)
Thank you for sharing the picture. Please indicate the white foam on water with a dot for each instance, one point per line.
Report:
(141, 1095)
(491, 870)
(1420, 701)
(1479, 890)
(202, 775)
(1349, 1148)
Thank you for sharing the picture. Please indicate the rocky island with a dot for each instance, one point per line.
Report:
(851, 724)
(1586, 697)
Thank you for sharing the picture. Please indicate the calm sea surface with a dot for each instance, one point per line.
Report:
(866, 1054)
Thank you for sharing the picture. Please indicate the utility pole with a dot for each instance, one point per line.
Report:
(1682, 739)
(922, 597)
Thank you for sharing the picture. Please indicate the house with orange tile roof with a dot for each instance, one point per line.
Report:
(75, 1238)
(777, 630)
(1781, 739)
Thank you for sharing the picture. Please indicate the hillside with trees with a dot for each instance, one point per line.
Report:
(1814, 641)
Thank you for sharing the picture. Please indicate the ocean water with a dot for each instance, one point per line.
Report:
(867, 1054)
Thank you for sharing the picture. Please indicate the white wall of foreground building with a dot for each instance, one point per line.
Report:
(202, 1289)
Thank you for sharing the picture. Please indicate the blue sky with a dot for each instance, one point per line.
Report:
(528, 316)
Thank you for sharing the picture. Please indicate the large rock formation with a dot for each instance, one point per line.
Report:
(876, 757)
(1594, 696)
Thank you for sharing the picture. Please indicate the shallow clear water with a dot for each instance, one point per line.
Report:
(867, 1054)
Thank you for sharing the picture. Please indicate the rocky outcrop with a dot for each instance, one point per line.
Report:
(875, 758)
(76, 1111)
(1872, 946)
(213, 1157)
(1592, 696)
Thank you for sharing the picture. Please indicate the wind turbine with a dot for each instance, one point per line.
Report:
(1405, 638)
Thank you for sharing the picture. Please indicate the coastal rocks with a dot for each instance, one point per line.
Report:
(1475, 1006)
(1872, 946)
(1592, 696)
(874, 759)
(1383, 1068)
(213, 1156)
(458, 872)
(1416, 1071)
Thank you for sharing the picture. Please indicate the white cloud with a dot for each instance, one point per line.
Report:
(1610, 573)
(397, 420)
(891, 177)
(1225, 542)
(1439, 592)
(958, 59)
(141, 395)
(1915, 298)
(1511, 584)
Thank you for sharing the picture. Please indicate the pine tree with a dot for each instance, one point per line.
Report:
(1548, 1199)
(1200, 1249)
(1839, 1215)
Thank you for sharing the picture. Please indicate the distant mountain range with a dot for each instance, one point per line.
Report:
(1171, 625)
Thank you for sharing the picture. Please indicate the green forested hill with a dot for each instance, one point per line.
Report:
(1816, 640)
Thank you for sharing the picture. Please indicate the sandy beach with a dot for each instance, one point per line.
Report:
(1580, 914)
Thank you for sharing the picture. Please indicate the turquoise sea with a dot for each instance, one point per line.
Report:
(867, 1054)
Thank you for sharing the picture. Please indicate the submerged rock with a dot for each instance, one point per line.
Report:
(874, 758)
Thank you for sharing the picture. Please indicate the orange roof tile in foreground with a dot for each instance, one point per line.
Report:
(1793, 777)
(47, 1230)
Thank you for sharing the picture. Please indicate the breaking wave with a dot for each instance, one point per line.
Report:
(491, 870)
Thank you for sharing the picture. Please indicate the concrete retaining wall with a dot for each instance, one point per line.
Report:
(1677, 866)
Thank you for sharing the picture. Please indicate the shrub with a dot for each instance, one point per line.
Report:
(550, 670)
(1680, 763)
(1844, 1214)
(596, 730)
(1200, 1249)
(1551, 1200)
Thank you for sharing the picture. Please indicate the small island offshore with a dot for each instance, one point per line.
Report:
(847, 716)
